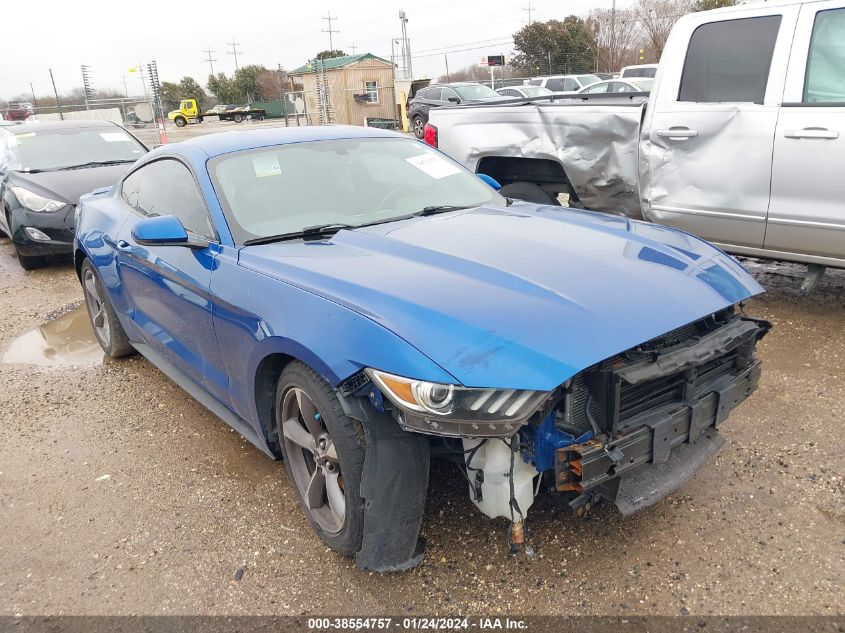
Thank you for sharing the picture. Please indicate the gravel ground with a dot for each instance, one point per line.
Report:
(121, 495)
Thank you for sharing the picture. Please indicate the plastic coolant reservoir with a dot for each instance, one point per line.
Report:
(494, 458)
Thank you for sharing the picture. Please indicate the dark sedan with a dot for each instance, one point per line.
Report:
(439, 95)
(46, 168)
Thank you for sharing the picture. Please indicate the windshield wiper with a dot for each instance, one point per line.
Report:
(441, 208)
(308, 231)
(95, 163)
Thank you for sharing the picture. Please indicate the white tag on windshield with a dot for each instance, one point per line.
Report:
(114, 137)
(433, 165)
(266, 164)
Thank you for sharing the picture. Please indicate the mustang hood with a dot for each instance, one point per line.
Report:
(68, 185)
(523, 297)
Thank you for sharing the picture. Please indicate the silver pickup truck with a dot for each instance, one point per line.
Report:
(741, 141)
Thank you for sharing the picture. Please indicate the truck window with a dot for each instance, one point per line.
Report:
(825, 78)
(729, 61)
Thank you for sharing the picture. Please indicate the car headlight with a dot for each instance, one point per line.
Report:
(34, 202)
(452, 410)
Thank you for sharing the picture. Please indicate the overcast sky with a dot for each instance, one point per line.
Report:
(110, 36)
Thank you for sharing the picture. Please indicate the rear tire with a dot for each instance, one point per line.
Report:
(529, 192)
(107, 328)
(324, 453)
(238, 118)
(180, 121)
(418, 125)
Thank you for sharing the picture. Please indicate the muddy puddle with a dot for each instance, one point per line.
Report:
(65, 341)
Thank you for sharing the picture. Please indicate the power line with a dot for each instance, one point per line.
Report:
(329, 18)
(211, 61)
(472, 48)
(234, 52)
(441, 49)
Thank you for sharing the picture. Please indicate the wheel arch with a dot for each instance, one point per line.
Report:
(543, 172)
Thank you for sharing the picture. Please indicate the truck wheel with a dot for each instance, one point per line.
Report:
(238, 118)
(180, 121)
(529, 192)
(324, 453)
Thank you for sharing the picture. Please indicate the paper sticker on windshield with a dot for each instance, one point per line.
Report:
(114, 137)
(433, 165)
(266, 164)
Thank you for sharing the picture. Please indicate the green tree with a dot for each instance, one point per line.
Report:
(246, 82)
(223, 88)
(706, 5)
(171, 94)
(555, 47)
(330, 54)
(189, 88)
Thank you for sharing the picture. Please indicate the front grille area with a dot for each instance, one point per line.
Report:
(616, 404)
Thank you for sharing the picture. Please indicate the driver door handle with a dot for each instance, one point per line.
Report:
(812, 132)
(123, 245)
(677, 133)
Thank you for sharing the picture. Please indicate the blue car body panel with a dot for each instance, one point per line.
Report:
(518, 297)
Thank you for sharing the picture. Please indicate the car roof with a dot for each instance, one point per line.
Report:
(456, 83)
(226, 142)
(47, 126)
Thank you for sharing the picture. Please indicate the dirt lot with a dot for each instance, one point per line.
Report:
(121, 495)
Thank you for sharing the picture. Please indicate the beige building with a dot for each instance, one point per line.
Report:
(346, 90)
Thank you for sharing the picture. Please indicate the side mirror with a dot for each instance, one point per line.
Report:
(454, 100)
(164, 230)
(495, 184)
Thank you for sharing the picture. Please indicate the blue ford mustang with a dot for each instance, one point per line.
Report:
(354, 302)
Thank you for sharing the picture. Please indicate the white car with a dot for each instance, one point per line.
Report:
(563, 83)
(643, 70)
(617, 86)
(525, 92)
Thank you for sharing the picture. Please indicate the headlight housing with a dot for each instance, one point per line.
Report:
(34, 202)
(452, 410)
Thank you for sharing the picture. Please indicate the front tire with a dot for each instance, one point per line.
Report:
(107, 328)
(418, 125)
(324, 453)
(180, 121)
(238, 118)
(30, 262)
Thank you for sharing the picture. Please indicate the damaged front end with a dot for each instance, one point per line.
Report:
(634, 427)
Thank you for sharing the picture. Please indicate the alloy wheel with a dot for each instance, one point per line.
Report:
(313, 461)
(96, 307)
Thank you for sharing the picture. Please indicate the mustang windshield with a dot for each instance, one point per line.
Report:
(285, 189)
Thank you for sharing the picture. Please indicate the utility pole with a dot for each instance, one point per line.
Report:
(125, 87)
(329, 30)
(211, 61)
(446, 58)
(550, 62)
(34, 100)
(612, 35)
(56, 92)
(529, 9)
(406, 44)
(234, 44)
(352, 47)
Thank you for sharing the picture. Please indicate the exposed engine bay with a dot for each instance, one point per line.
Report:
(630, 429)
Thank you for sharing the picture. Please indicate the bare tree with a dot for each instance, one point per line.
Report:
(617, 38)
(656, 18)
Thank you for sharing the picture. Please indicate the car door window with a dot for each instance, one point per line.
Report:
(729, 61)
(555, 84)
(169, 188)
(597, 89)
(432, 94)
(570, 84)
(448, 93)
(131, 187)
(620, 86)
(825, 78)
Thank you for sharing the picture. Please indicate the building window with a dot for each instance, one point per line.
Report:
(371, 89)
